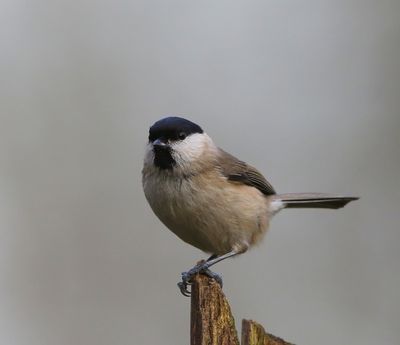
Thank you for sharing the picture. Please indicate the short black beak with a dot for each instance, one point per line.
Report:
(160, 144)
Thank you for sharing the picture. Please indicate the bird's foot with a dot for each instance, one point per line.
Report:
(201, 267)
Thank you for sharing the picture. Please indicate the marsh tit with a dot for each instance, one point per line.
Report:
(209, 198)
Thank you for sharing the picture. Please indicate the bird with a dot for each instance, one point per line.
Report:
(209, 198)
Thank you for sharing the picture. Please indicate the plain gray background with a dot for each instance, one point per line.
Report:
(306, 91)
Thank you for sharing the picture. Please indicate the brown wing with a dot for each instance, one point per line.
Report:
(237, 171)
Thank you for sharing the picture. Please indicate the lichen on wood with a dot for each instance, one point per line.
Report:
(212, 322)
(254, 334)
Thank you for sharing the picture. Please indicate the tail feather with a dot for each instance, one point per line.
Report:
(314, 200)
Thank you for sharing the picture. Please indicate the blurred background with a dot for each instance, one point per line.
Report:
(308, 92)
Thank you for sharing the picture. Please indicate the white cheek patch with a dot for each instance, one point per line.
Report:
(190, 149)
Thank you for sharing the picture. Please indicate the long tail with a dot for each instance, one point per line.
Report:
(313, 200)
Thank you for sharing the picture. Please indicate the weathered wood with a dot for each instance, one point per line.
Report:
(254, 334)
(212, 322)
(211, 319)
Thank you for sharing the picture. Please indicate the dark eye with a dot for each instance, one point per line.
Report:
(181, 135)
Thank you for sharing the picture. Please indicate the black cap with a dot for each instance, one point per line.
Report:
(173, 128)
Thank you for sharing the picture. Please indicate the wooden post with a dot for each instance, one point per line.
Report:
(212, 322)
(254, 334)
(211, 319)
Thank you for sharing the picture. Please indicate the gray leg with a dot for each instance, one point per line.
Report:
(212, 261)
(203, 267)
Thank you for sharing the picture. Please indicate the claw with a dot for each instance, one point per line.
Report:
(186, 281)
(187, 277)
(183, 287)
